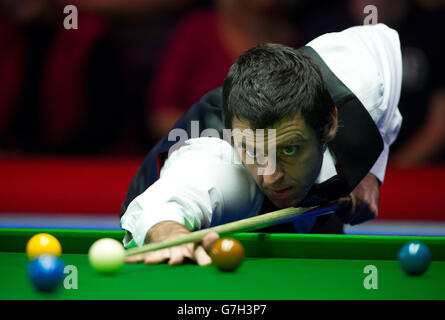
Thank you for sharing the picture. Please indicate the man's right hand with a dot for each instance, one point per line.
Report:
(175, 255)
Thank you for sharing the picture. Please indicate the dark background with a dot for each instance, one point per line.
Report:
(114, 86)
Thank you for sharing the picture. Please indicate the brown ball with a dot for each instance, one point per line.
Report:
(227, 254)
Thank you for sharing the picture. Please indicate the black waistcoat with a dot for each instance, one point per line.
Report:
(356, 146)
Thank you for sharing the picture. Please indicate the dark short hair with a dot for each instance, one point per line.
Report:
(271, 81)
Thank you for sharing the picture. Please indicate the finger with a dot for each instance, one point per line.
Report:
(188, 250)
(134, 259)
(176, 256)
(345, 203)
(201, 257)
(363, 215)
(209, 239)
(345, 208)
(157, 256)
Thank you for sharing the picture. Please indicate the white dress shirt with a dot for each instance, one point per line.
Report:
(203, 184)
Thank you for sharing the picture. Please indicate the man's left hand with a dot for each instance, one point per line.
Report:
(362, 203)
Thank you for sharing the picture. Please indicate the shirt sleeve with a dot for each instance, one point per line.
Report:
(367, 59)
(201, 184)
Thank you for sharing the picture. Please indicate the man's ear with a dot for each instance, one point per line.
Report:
(331, 127)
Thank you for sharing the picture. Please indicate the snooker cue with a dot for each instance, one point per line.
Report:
(244, 225)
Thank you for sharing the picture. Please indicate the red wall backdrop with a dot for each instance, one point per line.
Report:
(98, 185)
(65, 185)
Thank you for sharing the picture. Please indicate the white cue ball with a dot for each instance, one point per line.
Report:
(107, 255)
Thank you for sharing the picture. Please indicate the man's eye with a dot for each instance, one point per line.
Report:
(290, 151)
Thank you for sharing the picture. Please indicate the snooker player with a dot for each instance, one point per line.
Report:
(331, 109)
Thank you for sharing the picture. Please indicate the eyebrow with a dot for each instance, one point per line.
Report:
(293, 140)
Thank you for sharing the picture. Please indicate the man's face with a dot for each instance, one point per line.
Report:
(294, 167)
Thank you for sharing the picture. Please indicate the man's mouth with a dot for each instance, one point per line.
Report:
(281, 193)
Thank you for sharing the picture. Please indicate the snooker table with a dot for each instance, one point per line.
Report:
(276, 267)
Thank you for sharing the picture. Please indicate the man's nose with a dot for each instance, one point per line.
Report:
(273, 178)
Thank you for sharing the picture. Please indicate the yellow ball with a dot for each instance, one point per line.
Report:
(43, 243)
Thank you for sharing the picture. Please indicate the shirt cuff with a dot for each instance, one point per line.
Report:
(379, 167)
(138, 228)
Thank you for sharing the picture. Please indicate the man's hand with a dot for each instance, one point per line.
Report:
(175, 255)
(362, 203)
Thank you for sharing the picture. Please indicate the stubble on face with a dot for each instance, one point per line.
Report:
(298, 159)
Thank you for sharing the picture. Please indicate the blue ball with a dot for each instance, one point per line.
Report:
(46, 272)
(414, 258)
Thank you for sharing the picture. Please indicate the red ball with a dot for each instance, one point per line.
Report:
(227, 254)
